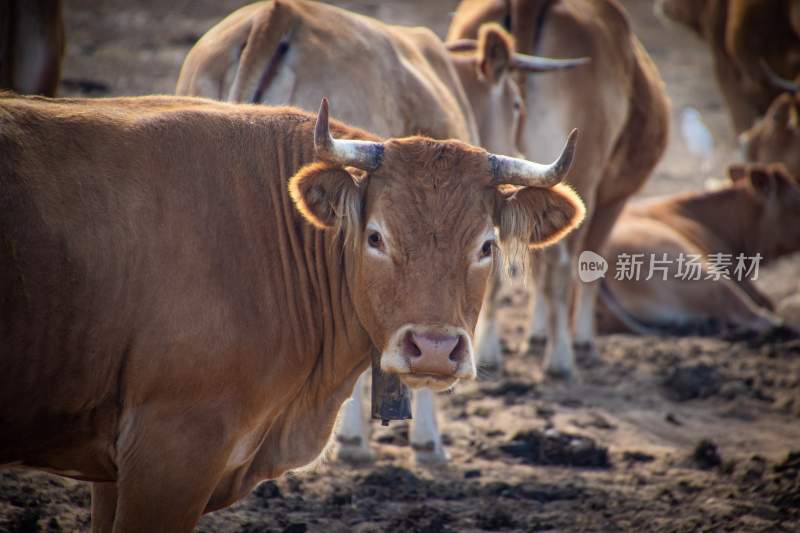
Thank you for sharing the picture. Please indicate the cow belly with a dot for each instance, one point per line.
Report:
(76, 446)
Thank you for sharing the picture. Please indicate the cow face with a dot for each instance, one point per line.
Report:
(779, 194)
(493, 94)
(689, 13)
(776, 136)
(422, 228)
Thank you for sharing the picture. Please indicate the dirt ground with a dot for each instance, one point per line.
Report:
(666, 434)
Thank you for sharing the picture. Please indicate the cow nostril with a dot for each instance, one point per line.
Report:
(460, 351)
(410, 347)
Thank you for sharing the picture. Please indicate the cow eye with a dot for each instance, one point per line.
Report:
(487, 249)
(375, 240)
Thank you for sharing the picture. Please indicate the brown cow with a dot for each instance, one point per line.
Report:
(31, 46)
(390, 80)
(742, 34)
(775, 137)
(619, 103)
(740, 218)
(147, 244)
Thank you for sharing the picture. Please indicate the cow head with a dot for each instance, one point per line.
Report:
(777, 192)
(484, 67)
(688, 13)
(775, 137)
(421, 223)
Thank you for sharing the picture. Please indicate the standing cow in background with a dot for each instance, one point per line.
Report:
(743, 35)
(148, 245)
(31, 46)
(390, 80)
(620, 104)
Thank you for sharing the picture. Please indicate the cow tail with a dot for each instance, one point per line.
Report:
(266, 44)
(620, 313)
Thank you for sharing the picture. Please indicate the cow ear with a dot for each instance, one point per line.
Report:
(538, 216)
(495, 50)
(326, 194)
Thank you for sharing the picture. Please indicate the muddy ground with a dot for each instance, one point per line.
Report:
(667, 434)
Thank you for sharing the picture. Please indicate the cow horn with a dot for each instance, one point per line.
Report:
(513, 171)
(366, 155)
(530, 63)
(778, 81)
(520, 61)
(462, 45)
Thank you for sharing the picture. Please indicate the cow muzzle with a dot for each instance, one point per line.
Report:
(432, 357)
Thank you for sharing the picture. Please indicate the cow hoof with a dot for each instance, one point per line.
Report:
(536, 345)
(429, 453)
(505, 349)
(558, 373)
(489, 369)
(586, 353)
(354, 452)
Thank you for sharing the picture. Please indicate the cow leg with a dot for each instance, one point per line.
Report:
(425, 438)
(168, 467)
(487, 340)
(351, 434)
(585, 300)
(755, 294)
(726, 301)
(603, 219)
(559, 357)
(540, 309)
(104, 507)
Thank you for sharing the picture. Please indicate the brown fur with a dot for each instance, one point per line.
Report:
(741, 34)
(193, 331)
(739, 218)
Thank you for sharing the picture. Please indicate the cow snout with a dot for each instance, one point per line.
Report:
(432, 352)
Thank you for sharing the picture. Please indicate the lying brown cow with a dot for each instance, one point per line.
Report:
(619, 103)
(390, 80)
(755, 214)
(31, 46)
(775, 137)
(189, 289)
(742, 34)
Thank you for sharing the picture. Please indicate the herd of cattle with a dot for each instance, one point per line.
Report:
(190, 289)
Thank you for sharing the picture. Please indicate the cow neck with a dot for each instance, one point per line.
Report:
(721, 221)
(324, 347)
(466, 76)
